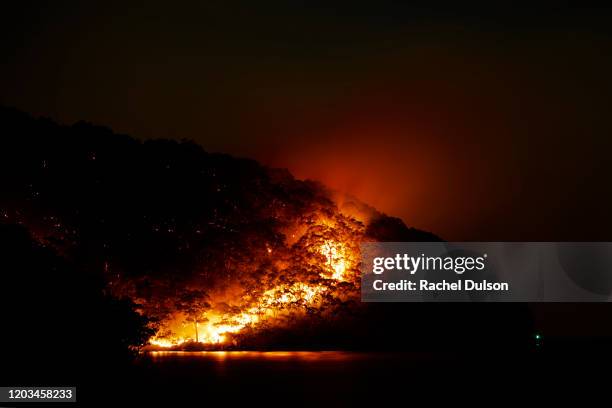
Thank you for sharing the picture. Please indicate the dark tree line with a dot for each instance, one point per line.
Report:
(102, 209)
(59, 323)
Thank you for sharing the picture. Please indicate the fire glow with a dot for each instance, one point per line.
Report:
(214, 332)
(337, 262)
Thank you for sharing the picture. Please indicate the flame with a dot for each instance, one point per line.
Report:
(334, 252)
(214, 332)
(162, 342)
(290, 296)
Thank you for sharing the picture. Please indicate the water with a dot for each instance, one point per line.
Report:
(303, 377)
(325, 378)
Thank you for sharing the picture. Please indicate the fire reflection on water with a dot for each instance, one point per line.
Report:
(280, 356)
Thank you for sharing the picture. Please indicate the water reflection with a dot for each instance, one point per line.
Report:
(297, 356)
(285, 378)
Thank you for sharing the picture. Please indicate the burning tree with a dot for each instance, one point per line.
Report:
(193, 304)
(223, 244)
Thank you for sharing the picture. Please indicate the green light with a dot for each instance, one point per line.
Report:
(538, 337)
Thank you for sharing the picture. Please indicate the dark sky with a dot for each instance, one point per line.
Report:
(477, 123)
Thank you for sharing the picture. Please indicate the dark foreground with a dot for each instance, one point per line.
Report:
(334, 378)
(339, 378)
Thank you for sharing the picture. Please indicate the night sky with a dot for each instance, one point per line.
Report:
(476, 123)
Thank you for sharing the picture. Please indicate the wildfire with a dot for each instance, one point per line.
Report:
(272, 301)
(324, 248)
(334, 253)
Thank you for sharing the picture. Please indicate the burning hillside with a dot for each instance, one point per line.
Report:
(210, 249)
(316, 276)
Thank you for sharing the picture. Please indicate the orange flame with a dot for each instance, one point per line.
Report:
(216, 326)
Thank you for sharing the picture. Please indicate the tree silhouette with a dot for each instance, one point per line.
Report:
(165, 223)
(193, 304)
